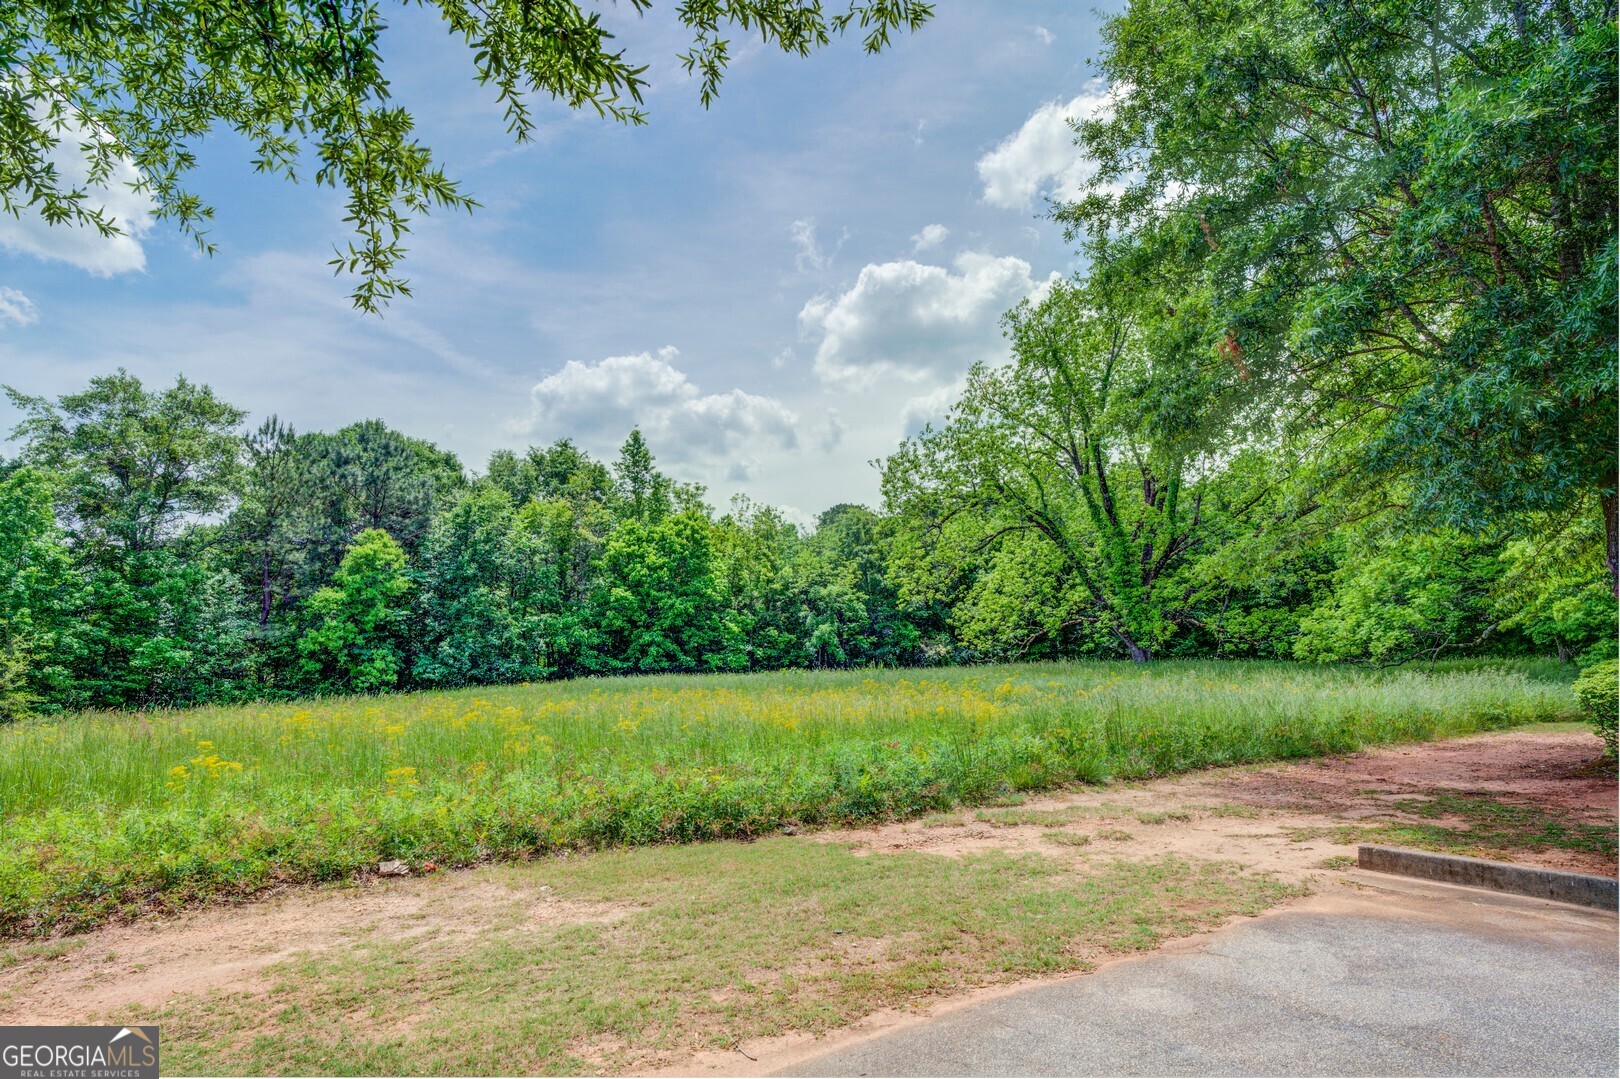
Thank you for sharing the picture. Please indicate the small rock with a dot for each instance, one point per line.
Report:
(393, 869)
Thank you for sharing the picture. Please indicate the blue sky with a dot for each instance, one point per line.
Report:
(776, 289)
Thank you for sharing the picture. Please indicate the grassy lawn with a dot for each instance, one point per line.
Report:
(688, 948)
(109, 815)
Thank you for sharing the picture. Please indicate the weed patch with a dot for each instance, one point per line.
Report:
(1151, 817)
(1012, 818)
(1230, 809)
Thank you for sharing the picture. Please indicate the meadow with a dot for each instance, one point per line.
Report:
(108, 815)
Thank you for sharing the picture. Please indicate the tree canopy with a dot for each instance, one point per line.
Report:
(1397, 222)
(139, 85)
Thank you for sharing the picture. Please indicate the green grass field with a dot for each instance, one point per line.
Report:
(108, 815)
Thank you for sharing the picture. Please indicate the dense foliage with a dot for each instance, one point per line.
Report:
(1339, 380)
(1388, 227)
(156, 553)
(1598, 690)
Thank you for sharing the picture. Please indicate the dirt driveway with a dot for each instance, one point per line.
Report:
(1533, 796)
(1536, 797)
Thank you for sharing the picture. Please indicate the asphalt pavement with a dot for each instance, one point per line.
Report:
(1380, 977)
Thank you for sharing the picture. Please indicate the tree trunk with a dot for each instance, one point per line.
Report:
(1138, 653)
(266, 592)
(1610, 501)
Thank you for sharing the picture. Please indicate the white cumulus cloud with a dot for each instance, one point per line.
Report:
(914, 321)
(83, 245)
(16, 308)
(931, 408)
(1040, 158)
(931, 236)
(598, 403)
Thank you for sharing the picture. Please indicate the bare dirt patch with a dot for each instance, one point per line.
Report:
(1289, 819)
(230, 948)
(1542, 798)
(1553, 770)
(1122, 822)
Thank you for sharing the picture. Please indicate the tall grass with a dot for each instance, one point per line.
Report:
(106, 813)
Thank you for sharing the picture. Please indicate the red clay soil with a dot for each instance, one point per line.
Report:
(1557, 771)
(1561, 773)
(1296, 819)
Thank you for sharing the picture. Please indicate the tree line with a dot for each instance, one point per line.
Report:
(157, 553)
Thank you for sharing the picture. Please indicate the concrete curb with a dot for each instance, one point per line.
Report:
(1581, 889)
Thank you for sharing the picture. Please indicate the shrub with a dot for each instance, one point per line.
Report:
(1596, 690)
